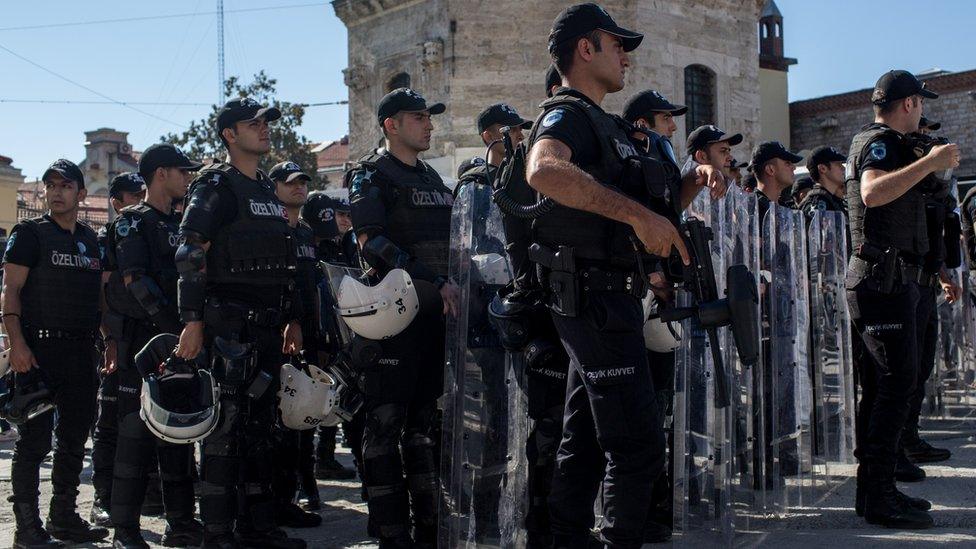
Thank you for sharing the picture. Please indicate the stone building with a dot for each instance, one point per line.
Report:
(469, 54)
(107, 154)
(332, 160)
(10, 180)
(834, 119)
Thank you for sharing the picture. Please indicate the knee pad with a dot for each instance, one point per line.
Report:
(175, 462)
(384, 426)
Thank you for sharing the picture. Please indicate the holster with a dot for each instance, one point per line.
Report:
(557, 273)
(885, 267)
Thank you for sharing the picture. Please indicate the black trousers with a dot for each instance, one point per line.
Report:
(928, 326)
(68, 367)
(888, 325)
(402, 432)
(612, 433)
(104, 438)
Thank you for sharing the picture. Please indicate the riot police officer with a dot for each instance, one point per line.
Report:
(126, 189)
(826, 168)
(889, 240)
(798, 191)
(142, 243)
(773, 166)
(649, 109)
(553, 80)
(491, 122)
(401, 213)
(291, 187)
(236, 294)
(51, 289)
(592, 268)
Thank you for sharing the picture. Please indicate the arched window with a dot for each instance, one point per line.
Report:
(401, 80)
(779, 30)
(765, 30)
(699, 96)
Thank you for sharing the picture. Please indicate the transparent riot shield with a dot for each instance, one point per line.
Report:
(831, 365)
(702, 427)
(485, 423)
(788, 454)
(748, 428)
(956, 360)
(349, 353)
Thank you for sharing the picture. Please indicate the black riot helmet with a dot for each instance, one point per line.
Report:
(27, 397)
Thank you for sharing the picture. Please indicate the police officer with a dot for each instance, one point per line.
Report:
(236, 295)
(592, 270)
(650, 110)
(142, 244)
(51, 289)
(967, 215)
(491, 122)
(401, 212)
(773, 165)
(126, 189)
(889, 240)
(291, 187)
(553, 80)
(798, 191)
(709, 145)
(826, 168)
(735, 172)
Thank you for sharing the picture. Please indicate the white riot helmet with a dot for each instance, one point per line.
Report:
(381, 311)
(180, 401)
(659, 336)
(305, 399)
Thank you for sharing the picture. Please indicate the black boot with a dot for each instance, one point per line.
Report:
(128, 538)
(883, 506)
(99, 515)
(330, 468)
(906, 471)
(30, 533)
(923, 452)
(293, 516)
(272, 539)
(219, 536)
(65, 524)
(152, 504)
(396, 543)
(183, 533)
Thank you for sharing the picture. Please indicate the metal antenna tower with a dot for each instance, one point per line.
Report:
(220, 52)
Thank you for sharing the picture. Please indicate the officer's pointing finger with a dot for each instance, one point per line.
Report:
(679, 245)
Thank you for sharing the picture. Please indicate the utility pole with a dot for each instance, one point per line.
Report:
(220, 52)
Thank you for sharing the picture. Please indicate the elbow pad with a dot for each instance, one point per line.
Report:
(150, 297)
(191, 263)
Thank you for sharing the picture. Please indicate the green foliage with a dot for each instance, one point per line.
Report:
(201, 141)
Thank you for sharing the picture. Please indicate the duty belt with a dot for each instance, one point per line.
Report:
(53, 333)
(264, 317)
(598, 280)
(903, 272)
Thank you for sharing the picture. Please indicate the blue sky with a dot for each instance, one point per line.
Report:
(841, 45)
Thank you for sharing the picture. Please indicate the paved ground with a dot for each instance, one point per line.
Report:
(951, 486)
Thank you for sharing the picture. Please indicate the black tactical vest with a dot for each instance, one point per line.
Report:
(62, 290)
(595, 238)
(161, 234)
(819, 195)
(419, 218)
(307, 260)
(257, 247)
(666, 190)
(475, 174)
(899, 224)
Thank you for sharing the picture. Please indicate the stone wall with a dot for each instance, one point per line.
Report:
(833, 120)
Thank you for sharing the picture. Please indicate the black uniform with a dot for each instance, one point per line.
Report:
(411, 207)
(886, 316)
(142, 242)
(107, 421)
(611, 410)
(967, 213)
(59, 316)
(820, 199)
(250, 269)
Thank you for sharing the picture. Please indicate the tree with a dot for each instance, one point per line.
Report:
(201, 141)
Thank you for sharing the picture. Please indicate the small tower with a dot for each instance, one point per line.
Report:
(771, 39)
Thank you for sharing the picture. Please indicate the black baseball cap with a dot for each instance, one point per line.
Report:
(804, 183)
(405, 100)
(67, 169)
(287, 172)
(703, 136)
(164, 155)
(319, 212)
(126, 182)
(823, 155)
(894, 85)
(244, 108)
(929, 124)
(650, 101)
(580, 19)
(552, 79)
(738, 165)
(501, 113)
(468, 164)
(768, 150)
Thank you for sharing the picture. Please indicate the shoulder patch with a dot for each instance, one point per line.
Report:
(10, 242)
(361, 177)
(554, 116)
(878, 150)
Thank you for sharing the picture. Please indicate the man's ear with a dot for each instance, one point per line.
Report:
(229, 134)
(389, 124)
(82, 194)
(700, 157)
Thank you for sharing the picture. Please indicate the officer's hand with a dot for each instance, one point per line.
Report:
(660, 287)
(110, 357)
(952, 291)
(191, 340)
(21, 357)
(292, 336)
(451, 295)
(658, 236)
(944, 157)
(714, 179)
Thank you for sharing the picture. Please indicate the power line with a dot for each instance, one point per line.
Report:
(156, 17)
(147, 103)
(86, 88)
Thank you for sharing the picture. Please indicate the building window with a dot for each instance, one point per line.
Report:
(401, 80)
(699, 96)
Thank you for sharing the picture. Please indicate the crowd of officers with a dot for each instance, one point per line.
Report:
(239, 261)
